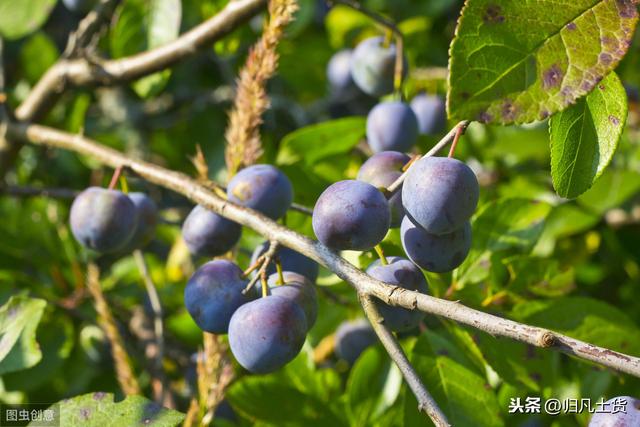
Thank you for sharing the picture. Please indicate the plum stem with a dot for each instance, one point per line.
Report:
(456, 138)
(115, 177)
(263, 281)
(124, 184)
(380, 252)
(279, 270)
(460, 127)
(398, 75)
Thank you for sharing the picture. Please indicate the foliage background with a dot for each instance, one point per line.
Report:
(572, 266)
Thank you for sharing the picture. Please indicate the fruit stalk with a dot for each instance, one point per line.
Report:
(459, 128)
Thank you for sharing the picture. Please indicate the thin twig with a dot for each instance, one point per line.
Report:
(426, 402)
(450, 136)
(267, 257)
(89, 27)
(124, 372)
(271, 230)
(82, 72)
(158, 328)
(301, 208)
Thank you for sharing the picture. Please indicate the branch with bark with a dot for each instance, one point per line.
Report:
(363, 283)
(79, 72)
(75, 71)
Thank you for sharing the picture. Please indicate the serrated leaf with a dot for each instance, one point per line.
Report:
(143, 25)
(520, 61)
(100, 410)
(18, 20)
(464, 396)
(585, 319)
(19, 318)
(585, 136)
(318, 141)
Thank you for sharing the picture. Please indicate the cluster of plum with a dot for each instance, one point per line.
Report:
(112, 222)
(367, 72)
(264, 333)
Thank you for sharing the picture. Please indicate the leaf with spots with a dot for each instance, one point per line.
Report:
(520, 61)
(100, 410)
(585, 136)
(19, 318)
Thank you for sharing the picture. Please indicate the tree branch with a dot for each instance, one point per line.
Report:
(89, 27)
(81, 72)
(363, 283)
(426, 402)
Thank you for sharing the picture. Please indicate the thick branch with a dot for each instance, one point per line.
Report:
(425, 400)
(363, 283)
(80, 72)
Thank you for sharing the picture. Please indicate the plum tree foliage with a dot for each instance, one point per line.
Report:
(458, 158)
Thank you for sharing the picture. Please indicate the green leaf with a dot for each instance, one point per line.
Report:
(540, 276)
(319, 141)
(506, 224)
(19, 318)
(56, 339)
(143, 25)
(520, 61)
(585, 136)
(519, 363)
(585, 319)
(37, 55)
(100, 410)
(17, 19)
(564, 220)
(613, 189)
(373, 386)
(464, 396)
(272, 399)
(342, 23)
